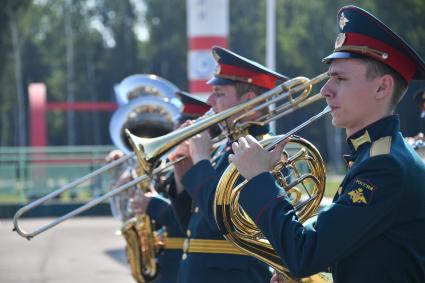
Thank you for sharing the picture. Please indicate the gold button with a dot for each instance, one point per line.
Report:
(184, 256)
(188, 233)
(185, 245)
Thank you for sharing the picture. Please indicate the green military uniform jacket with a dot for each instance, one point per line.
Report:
(211, 266)
(375, 229)
(161, 213)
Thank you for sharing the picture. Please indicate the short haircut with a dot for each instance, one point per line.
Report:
(376, 68)
(242, 88)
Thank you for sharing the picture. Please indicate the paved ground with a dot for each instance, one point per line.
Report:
(80, 250)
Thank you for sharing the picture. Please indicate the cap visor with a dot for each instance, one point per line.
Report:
(341, 55)
(220, 81)
(189, 98)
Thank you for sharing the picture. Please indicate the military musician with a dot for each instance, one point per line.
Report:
(374, 231)
(207, 256)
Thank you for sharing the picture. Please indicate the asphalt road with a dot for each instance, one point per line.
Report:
(80, 250)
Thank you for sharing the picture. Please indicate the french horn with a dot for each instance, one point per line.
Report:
(300, 172)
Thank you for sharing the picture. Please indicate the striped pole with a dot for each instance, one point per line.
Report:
(207, 25)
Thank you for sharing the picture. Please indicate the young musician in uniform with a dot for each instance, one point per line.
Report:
(375, 229)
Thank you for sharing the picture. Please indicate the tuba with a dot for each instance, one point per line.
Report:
(300, 172)
(149, 109)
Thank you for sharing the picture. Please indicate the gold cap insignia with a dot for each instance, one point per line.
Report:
(217, 70)
(342, 21)
(340, 39)
(216, 56)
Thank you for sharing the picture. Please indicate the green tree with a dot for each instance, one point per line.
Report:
(167, 46)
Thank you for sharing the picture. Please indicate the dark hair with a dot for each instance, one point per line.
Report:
(242, 88)
(376, 68)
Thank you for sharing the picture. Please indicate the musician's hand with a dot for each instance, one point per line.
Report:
(251, 159)
(114, 155)
(140, 201)
(180, 168)
(200, 147)
(182, 150)
(275, 278)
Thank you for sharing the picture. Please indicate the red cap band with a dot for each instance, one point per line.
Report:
(396, 60)
(259, 79)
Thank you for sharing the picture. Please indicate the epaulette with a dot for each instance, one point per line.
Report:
(381, 146)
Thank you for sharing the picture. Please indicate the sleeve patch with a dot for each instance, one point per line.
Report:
(361, 192)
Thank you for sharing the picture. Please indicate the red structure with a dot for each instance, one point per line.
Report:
(207, 25)
(38, 106)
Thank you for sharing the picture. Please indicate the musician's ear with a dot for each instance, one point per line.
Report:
(385, 87)
(249, 95)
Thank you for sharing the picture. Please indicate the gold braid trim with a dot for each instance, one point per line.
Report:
(364, 50)
(213, 247)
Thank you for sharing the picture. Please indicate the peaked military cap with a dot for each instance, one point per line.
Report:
(363, 35)
(193, 106)
(233, 68)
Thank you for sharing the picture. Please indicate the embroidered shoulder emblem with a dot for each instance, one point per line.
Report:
(381, 146)
(362, 192)
(357, 196)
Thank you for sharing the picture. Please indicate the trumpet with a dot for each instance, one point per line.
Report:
(148, 151)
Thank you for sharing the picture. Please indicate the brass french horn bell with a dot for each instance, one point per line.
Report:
(300, 172)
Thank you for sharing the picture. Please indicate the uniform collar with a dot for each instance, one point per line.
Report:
(384, 127)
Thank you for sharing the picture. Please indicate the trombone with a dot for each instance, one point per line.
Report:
(149, 150)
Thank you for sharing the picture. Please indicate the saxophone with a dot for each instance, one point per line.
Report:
(142, 247)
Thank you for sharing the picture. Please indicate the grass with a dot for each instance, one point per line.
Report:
(332, 185)
(66, 197)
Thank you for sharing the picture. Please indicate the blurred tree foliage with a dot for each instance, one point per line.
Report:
(107, 45)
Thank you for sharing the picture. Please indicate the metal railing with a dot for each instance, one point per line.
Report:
(27, 173)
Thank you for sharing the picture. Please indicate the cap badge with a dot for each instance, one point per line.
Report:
(216, 56)
(342, 21)
(340, 39)
(217, 70)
